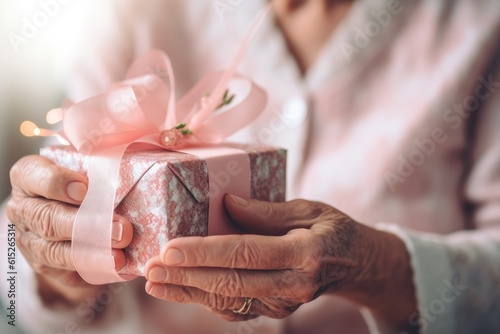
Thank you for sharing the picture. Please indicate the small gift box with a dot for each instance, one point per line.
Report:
(166, 194)
(161, 161)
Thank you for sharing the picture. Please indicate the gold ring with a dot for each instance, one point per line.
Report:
(245, 308)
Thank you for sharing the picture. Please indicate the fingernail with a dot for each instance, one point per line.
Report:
(173, 257)
(157, 274)
(117, 231)
(157, 290)
(76, 191)
(239, 200)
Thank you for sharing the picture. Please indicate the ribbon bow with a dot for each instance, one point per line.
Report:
(142, 109)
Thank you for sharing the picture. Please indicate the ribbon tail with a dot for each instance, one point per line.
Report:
(91, 242)
(216, 95)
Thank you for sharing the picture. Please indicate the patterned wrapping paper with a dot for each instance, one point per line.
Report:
(165, 194)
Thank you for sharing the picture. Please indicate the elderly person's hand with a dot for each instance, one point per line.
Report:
(43, 206)
(309, 249)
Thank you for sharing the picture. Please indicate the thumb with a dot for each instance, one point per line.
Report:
(270, 218)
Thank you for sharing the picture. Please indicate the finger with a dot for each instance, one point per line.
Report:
(221, 305)
(40, 252)
(296, 286)
(37, 176)
(50, 220)
(228, 282)
(236, 251)
(273, 218)
(122, 232)
(55, 254)
(53, 221)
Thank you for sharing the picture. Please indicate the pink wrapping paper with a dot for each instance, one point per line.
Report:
(166, 194)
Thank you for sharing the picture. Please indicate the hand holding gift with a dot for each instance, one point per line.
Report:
(59, 239)
(43, 206)
(112, 135)
(301, 250)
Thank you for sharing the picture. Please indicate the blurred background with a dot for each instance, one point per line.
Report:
(34, 37)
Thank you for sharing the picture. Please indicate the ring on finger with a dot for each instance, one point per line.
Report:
(246, 307)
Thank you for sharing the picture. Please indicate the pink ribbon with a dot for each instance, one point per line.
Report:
(142, 109)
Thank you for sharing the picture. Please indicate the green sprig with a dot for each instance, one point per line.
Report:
(180, 126)
(226, 99)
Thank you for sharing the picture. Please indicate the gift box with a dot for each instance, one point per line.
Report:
(166, 194)
(161, 161)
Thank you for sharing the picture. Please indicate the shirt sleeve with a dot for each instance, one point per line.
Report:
(457, 276)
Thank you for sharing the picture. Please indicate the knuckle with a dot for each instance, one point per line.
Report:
(211, 299)
(38, 214)
(30, 175)
(230, 284)
(267, 209)
(179, 294)
(53, 213)
(56, 254)
(49, 253)
(301, 208)
(220, 302)
(178, 276)
(44, 217)
(311, 263)
(245, 254)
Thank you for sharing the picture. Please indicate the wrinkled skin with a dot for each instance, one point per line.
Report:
(43, 212)
(308, 249)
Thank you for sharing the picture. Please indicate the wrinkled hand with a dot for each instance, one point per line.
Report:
(43, 206)
(308, 252)
(306, 249)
